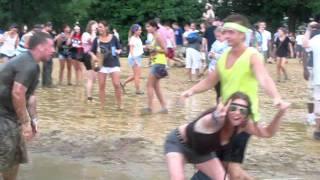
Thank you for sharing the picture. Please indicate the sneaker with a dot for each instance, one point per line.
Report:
(146, 111)
(316, 135)
(164, 111)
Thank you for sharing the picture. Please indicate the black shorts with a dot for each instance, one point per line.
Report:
(235, 154)
(174, 144)
(87, 61)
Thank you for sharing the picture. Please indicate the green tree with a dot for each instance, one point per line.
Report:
(121, 14)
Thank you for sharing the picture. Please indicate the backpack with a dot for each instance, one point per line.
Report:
(193, 37)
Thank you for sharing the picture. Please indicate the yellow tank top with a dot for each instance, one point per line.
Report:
(158, 58)
(240, 77)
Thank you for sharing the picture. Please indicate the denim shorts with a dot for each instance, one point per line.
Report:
(136, 60)
(173, 144)
(154, 68)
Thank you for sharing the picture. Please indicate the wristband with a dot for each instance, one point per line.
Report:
(34, 121)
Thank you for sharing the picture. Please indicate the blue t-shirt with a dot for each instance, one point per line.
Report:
(178, 33)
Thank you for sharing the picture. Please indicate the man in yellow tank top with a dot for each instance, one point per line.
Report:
(239, 69)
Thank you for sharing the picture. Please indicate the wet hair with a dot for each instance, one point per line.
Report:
(153, 24)
(234, 96)
(38, 38)
(243, 96)
(89, 25)
(239, 19)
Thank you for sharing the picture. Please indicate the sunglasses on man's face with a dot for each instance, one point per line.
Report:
(243, 110)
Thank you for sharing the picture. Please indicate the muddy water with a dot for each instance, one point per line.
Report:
(80, 141)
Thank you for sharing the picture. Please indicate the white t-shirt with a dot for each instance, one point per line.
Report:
(149, 38)
(266, 37)
(299, 39)
(86, 40)
(314, 44)
(137, 46)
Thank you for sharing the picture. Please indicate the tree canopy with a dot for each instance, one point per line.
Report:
(122, 13)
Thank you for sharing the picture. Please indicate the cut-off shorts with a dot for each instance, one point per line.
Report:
(136, 60)
(12, 146)
(109, 70)
(174, 144)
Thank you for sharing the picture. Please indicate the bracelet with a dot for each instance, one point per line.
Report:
(34, 120)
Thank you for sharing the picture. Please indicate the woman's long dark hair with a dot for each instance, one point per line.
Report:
(234, 96)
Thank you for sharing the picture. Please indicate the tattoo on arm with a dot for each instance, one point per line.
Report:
(32, 107)
(19, 102)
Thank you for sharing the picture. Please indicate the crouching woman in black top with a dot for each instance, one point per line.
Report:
(211, 132)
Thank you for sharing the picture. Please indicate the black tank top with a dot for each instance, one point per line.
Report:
(206, 143)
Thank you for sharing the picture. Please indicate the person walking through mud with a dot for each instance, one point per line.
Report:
(240, 68)
(157, 50)
(214, 131)
(87, 39)
(106, 48)
(283, 48)
(18, 118)
(313, 45)
(64, 53)
(135, 57)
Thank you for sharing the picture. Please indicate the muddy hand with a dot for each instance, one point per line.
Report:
(26, 131)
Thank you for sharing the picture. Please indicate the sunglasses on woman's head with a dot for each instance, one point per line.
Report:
(243, 109)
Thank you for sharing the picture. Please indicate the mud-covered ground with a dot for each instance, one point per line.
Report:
(80, 141)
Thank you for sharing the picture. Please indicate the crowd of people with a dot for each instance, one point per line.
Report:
(229, 53)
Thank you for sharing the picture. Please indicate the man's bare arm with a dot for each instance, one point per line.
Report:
(19, 102)
(32, 107)
(263, 77)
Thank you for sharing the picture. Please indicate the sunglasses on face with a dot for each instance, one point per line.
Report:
(243, 110)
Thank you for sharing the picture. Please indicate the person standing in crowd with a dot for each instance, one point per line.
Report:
(283, 50)
(179, 51)
(299, 46)
(212, 133)
(157, 50)
(24, 40)
(47, 65)
(87, 41)
(147, 43)
(18, 116)
(266, 40)
(170, 41)
(193, 56)
(116, 34)
(64, 53)
(207, 41)
(106, 48)
(313, 45)
(219, 46)
(135, 58)
(76, 52)
(256, 38)
(9, 41)
(240, 68)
